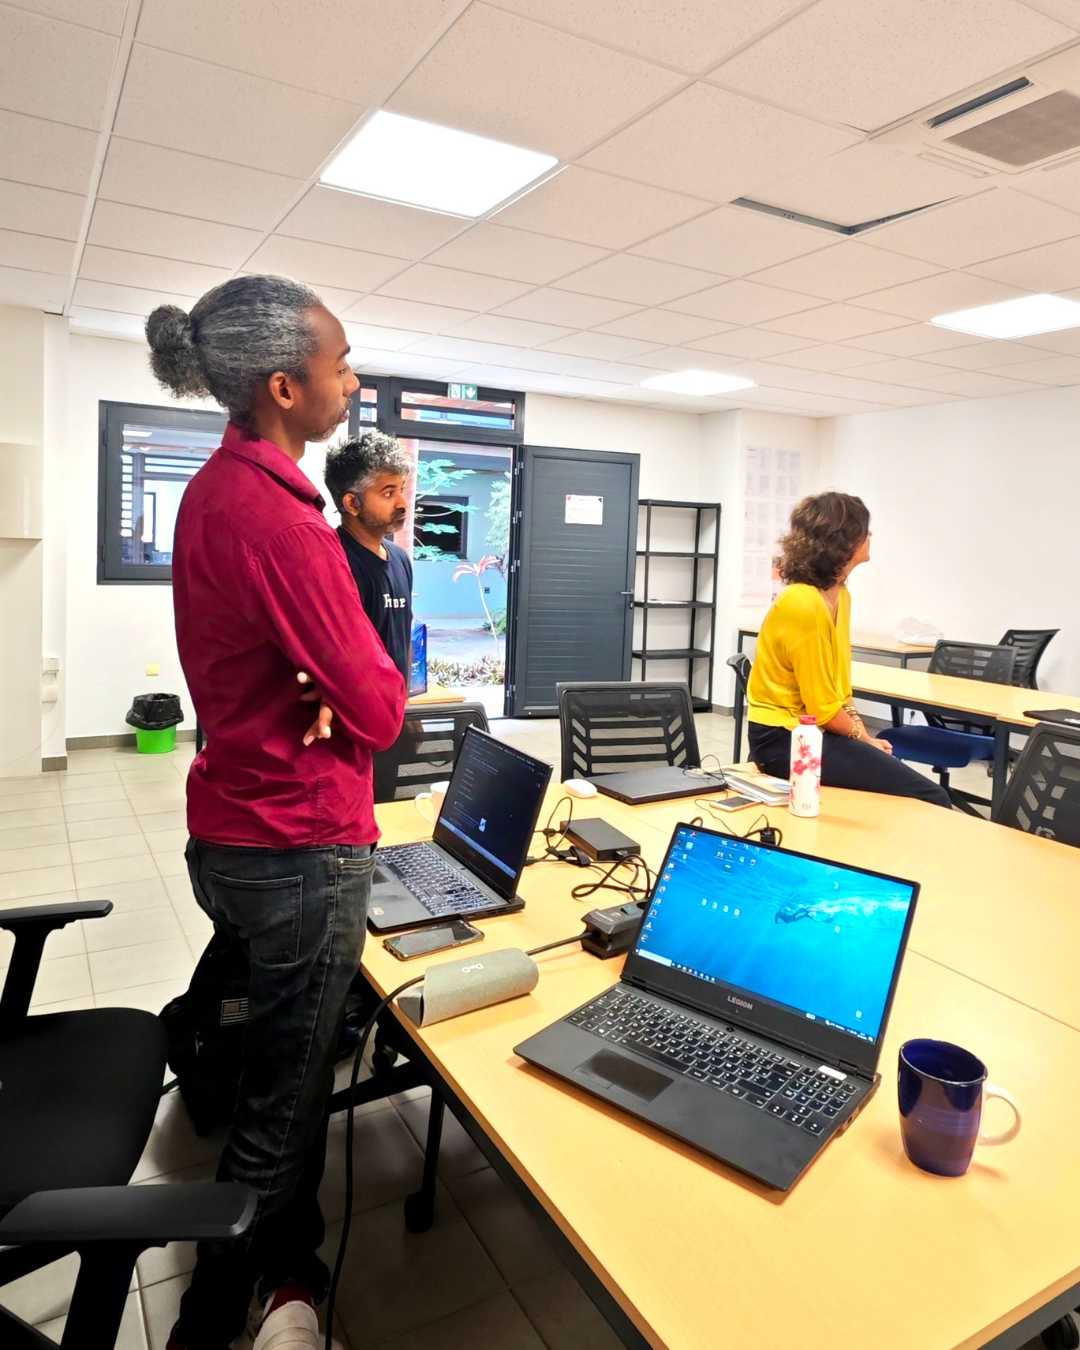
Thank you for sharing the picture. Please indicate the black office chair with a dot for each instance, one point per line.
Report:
(1029, 645)
(425, 751)
(740, 664)
(1043, 796)
(615, 726)
(79, 1093)
(948, 743)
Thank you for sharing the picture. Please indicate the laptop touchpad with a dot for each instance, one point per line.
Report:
(627, 1074)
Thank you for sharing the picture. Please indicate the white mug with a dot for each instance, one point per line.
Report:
(436, 797)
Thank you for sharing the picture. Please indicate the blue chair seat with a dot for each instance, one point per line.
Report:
(938, 748)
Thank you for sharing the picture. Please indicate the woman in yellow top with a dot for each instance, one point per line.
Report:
(803, 660)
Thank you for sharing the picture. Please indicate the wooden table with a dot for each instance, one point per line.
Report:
(684, 1253)
(436, 694)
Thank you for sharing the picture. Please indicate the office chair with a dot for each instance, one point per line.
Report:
(947, 743)
(611, 727)
(80, 1090)
(1043, 796)
(740, 664)
(425, 751)
(1029, 645)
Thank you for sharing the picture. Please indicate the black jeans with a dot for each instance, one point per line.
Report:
(847, 764)
(298, 917)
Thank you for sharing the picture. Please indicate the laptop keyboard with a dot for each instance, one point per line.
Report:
(808, 1097)
(440, 888)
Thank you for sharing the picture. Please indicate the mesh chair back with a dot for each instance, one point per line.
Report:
(1029, 645)
(740, 664)
(1043, 796)
(621, 725)
(425, 751)
(970, 661)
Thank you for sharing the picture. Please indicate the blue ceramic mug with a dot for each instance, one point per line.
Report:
(942, 1089)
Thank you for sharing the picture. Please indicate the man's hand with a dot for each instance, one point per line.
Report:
(320, 728)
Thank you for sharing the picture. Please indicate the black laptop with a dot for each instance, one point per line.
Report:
(659, 784)
(474, 862)
(1064, 717)
(752, 1009)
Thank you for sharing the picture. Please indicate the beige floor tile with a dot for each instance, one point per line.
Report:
(129, 967)
(163, 820)
(86, 782)
(44, 1294)
(198, 929)
(65, 1005)
(26, 859)
(458, 1155)
(90, 761)
(115, 869)
(59, 981)
(133, 928)
(34, 836)
(178, 889)
(151, 802)
(129, 845)
(174, 1152)
(508, 1232)
(563, 1314)
(107, 827)
(132, 1334)
(21, 802)
(38, 881)
(145, 893)
(172, 863)
(98, 810)
(387, 1162)
(49, 898)
(167, 841)
(34, 785)
(32, 817)
(67, 941)
(149, 776)
(498, 1323)
(89, 796)
(148, 997)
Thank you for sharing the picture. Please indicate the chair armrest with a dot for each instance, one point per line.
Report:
(147, 1216)
(31, 925)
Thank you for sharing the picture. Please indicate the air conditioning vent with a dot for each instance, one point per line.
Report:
(981, 101)
(1049, 126)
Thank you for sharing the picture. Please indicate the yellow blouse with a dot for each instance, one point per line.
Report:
(802, 664)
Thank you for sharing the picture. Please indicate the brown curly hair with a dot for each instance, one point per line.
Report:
(824, 533)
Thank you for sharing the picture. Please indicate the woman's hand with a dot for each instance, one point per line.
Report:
(881, 744)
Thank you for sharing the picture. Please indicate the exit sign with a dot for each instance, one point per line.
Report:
(464, 391)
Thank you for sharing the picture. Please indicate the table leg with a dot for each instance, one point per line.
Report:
(1001, 766)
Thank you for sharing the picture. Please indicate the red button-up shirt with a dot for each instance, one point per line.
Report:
(262, 590)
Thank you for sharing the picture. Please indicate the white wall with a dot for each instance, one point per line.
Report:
(974, 518)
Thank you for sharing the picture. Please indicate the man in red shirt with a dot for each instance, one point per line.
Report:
(279, 812)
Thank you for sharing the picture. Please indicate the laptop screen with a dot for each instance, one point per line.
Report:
(418, 678)
(491, 807)
(760, 930)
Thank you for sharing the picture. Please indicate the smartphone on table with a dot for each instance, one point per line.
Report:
(732, 803)
(424, 941)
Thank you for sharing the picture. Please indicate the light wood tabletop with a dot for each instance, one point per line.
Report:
(998, 702)
(436, 693)
(865, 1249)
(861, 639)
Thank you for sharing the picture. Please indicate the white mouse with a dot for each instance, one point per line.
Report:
(579, 787)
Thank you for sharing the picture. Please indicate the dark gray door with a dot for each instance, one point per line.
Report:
(573, 542)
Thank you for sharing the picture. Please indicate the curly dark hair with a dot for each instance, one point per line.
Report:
(824, 533)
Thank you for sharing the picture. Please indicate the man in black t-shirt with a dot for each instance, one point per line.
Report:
(367, 479)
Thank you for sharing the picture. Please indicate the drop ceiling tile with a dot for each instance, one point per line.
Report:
(833, 323)
(36, 290)
(1052, 267)
(46, 153)
(663, 326)
(364, 335)
(191, 185)
(845, 270)
(835, 386)
(796, 402)
(603, 346)
(493, 250)
(976, 228)
(1047, 370)
(752, 344)
(353, 49)
(691, 35)
(939, 294)
(734, 241)
(595, 208)
(866, 182)
(563, 307)
(828, 357)
(987, 356)
(1060, 185)
(410, 314)
(40, 210)
(53, 69)
(447, 286)
(203, 241)
(924, 375)
(744, 302)
(149, 272)
(760, 143)
(323, 264)
(332, 216)
(869, 64)
(35, 253)
(641, 281)
(919, 339)
(512, 332)
(900, 370)
(1067, 342)
(686, 358)
(205, 109)
(404, 363)
(125, 299)
(107, 16)
(528, 84)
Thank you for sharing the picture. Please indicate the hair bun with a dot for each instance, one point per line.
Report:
(174, 356)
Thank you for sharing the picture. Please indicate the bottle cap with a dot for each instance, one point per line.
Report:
(807, 721)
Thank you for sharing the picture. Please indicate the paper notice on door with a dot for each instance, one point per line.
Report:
(584, 510)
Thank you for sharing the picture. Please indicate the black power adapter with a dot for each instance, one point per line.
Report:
(598, 840)
(610, 932)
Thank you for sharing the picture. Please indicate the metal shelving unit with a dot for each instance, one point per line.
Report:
(700, 558)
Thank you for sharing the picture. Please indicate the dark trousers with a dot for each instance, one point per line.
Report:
(298, 918)
(846, 764)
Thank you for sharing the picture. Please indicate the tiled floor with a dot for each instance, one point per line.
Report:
(112, 826)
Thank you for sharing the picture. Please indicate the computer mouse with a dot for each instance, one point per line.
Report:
(579, 787)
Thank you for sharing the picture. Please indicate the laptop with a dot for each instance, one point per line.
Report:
(661, 784)
(1065, 717)
(476, 856)
(418, 676)
(752, 1007)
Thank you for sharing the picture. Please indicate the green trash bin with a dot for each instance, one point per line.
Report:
(155, 718)
(155, 742)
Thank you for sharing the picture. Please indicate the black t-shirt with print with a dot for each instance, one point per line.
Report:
(386, 593)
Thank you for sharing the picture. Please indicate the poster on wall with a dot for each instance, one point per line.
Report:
(582, 510)
(773, 485)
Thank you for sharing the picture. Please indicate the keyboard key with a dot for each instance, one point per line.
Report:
(813, 1127)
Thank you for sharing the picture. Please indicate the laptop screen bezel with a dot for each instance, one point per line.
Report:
(793, 1028)
(461, 850)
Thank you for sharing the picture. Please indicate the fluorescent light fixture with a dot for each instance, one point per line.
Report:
(698, 382)
(1020, 318)
(422, 164)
